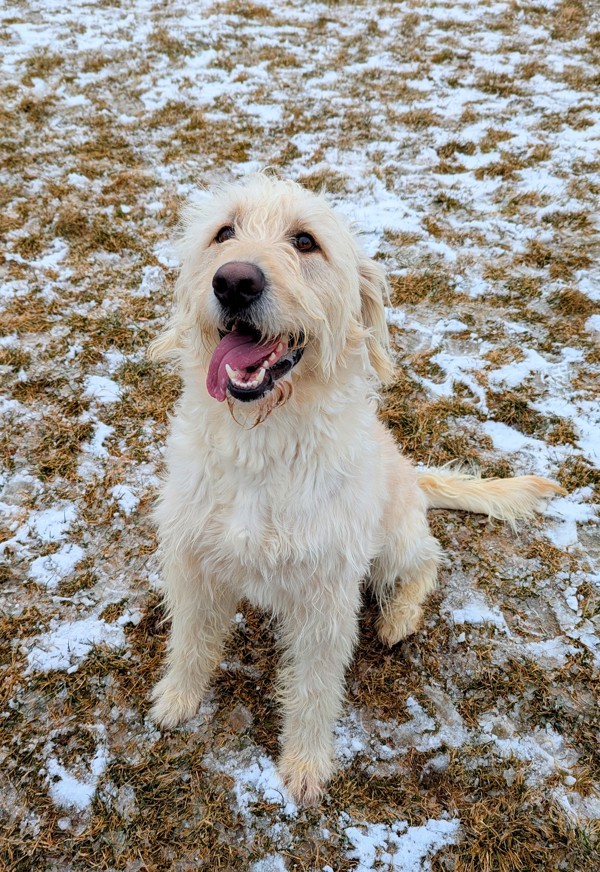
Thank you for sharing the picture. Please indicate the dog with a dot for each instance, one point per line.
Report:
(282, 485)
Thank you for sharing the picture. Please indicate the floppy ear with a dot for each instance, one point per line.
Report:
(176, 333)
(373, 291)
(166, 343)
(173, 338)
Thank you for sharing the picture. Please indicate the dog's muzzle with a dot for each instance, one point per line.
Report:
(247, 366)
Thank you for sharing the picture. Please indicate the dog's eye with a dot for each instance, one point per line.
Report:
(304, 242)
(225, 233)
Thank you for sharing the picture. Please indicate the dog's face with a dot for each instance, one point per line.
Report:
(273, 288)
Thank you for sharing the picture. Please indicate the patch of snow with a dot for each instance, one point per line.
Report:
(458, 368)
(166, 254)
(96, 445)
(102, 389)
(115, 358)
(52, 568)
(267, 114)
(477, 612)
(153, 279)
(52, 525)
(536, 455)
(563, 535)
(552, 652)
(421, 732)
(67, 643)
(18, 488)
(125, 498)
(397, 845)
(544, 748)
(590, 286)
(53, 258)
(74, 791)
(450, 326)
(587, 634)
(351, 738)
(78, 181)
(269, 863)
(395, 317)
(579, 809)
(569, 511)
(517, 372)
(592, 325)
(585, 416)
(255, 779)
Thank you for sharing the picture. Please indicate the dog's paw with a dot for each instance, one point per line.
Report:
(172, 705)
(305, 782)
(395, 626)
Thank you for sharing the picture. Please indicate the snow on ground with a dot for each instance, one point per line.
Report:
(69, 642)
(462, 139)
(66, 789)
(399, 846)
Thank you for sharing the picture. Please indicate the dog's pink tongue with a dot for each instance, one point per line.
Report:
(239, 351)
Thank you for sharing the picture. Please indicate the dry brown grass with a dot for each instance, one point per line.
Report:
(412, 288)
(104, 175)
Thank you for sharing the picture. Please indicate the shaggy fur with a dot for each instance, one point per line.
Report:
(295, 499)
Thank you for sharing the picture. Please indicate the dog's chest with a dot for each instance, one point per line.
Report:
(286, 526)
(269, 520)
(246, 523)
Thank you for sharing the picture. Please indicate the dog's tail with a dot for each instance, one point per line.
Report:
(508, 499)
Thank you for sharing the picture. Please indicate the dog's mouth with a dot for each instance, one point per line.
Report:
(246, 365)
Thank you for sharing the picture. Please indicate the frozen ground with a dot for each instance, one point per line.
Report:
(463, 138)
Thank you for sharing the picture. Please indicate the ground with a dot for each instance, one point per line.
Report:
(462, 138)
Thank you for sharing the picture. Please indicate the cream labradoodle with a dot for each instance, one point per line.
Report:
(283, 486)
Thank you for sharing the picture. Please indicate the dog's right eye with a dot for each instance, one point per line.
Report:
(304, 242)
(225, 233)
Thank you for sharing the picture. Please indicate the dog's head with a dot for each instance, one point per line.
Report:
(274, 287)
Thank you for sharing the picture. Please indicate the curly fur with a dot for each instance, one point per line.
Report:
(295, 504)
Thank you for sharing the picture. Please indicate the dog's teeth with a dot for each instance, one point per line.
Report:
(234, 376)
(272, 356)
(237, 378)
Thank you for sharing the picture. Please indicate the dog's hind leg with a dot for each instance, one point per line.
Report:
(405, 571)
(401, 613)
(201, 615)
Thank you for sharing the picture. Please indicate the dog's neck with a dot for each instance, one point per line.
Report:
(311, 423)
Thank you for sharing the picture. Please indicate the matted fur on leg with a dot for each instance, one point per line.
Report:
(282, 485)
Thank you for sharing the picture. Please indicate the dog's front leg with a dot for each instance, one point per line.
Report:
(320, 636)
(201, 614)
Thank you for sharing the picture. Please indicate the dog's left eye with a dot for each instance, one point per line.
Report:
(225, 233)
(304, 242)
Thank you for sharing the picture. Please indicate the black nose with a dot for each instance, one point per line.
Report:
(238, 284)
